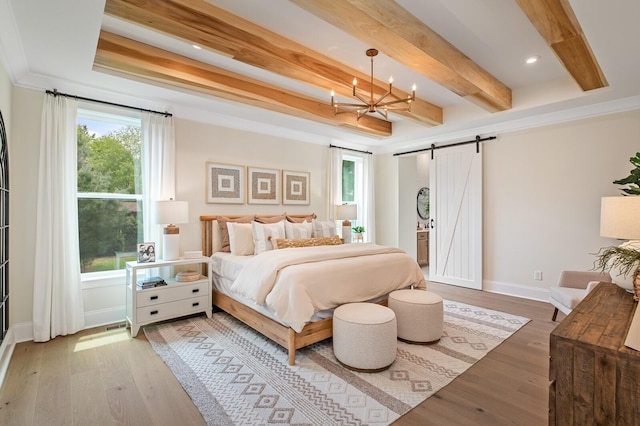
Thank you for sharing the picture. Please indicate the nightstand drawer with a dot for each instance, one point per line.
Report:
(173, 309)
(171, 292)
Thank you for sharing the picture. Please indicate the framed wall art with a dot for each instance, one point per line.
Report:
(263, 186)
(225, 183)
(295, 187)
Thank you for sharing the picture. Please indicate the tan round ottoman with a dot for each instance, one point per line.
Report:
(419, 314)
(365, 336)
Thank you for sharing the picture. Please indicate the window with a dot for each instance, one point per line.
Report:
(353, 185)
(109, 189)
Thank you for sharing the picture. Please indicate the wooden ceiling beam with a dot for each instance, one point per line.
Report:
(199, 22)
(123, 55)
(387, 26)
(558, 25)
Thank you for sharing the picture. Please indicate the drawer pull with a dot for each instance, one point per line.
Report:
(195, 304)
(153, 298)
(153, 312)
(195, 290)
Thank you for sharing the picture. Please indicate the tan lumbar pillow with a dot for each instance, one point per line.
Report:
(280, 243)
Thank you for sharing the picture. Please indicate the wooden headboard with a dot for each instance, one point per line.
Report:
(207, 222)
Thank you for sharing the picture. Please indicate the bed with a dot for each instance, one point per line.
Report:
(289, 294)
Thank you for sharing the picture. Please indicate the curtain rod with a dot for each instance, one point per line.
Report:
(433, 147)
(350, 149)
(81, 98)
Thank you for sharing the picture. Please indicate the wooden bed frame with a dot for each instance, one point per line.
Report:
(282, 335)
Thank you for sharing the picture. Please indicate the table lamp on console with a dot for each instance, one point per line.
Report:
(620, 218)
(346, 212)
(170, 213)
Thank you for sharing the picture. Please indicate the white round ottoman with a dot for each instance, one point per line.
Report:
(365, 336)
(419, 314)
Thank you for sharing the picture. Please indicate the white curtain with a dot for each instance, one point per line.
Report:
(57, 288)
(334, 181)
(368, 198)
(158, 170)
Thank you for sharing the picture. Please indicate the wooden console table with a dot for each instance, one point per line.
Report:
(595, 379)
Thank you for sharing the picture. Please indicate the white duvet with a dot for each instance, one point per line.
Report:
(297, 282)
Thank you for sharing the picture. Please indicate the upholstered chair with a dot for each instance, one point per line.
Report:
(572, 287)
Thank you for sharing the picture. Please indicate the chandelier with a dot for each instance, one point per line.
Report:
(370, 105)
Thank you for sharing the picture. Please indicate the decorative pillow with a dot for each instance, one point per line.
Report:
(222, 224)
(271, 219)
(298, 230)
(263, 233)
(301, 219)
(216, 237)
(280, 243)
(241, 238)
(324, 228)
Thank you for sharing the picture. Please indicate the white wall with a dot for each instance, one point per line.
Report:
(387, 199)
(198, 143)
(407, 205)
(23, 171)
(542, 190)
(6, 89)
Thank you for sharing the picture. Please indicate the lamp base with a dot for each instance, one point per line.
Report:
(171, 243)
(346, 231)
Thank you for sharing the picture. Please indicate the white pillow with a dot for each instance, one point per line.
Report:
(324, 228)
(262, 232)
(298, 230)
(240, 238)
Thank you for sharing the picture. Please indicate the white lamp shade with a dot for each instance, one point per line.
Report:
(347, 211)
(171, 212)
(620, 217)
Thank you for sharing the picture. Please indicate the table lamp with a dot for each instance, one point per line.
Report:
(346, 212)
(169, 213)
(620, 218)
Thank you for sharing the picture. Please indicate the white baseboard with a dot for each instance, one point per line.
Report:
(516, 290)
(23, 332)
(104, 317)
(6, 350)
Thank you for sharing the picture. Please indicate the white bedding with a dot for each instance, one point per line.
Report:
(296, 283)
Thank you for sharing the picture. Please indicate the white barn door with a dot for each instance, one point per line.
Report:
(455, 237)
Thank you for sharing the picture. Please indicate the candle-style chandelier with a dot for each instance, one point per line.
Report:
(367, 106)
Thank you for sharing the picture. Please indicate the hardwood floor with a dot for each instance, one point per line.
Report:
(103, 377)
(508, 386)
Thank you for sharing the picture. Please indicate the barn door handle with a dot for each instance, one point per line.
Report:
(431, 224)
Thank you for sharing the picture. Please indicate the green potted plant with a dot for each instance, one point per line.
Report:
(621, 261)
(358, 231)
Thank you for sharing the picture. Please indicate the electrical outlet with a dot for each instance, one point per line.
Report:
(537, 275)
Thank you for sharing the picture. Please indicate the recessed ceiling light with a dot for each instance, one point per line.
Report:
(532, 59)
(196, 46)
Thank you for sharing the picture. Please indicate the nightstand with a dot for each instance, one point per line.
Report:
(176, 299)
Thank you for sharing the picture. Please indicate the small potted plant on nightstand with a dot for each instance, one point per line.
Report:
(358, 231)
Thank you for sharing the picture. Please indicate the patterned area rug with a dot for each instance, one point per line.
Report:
(235, 376)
